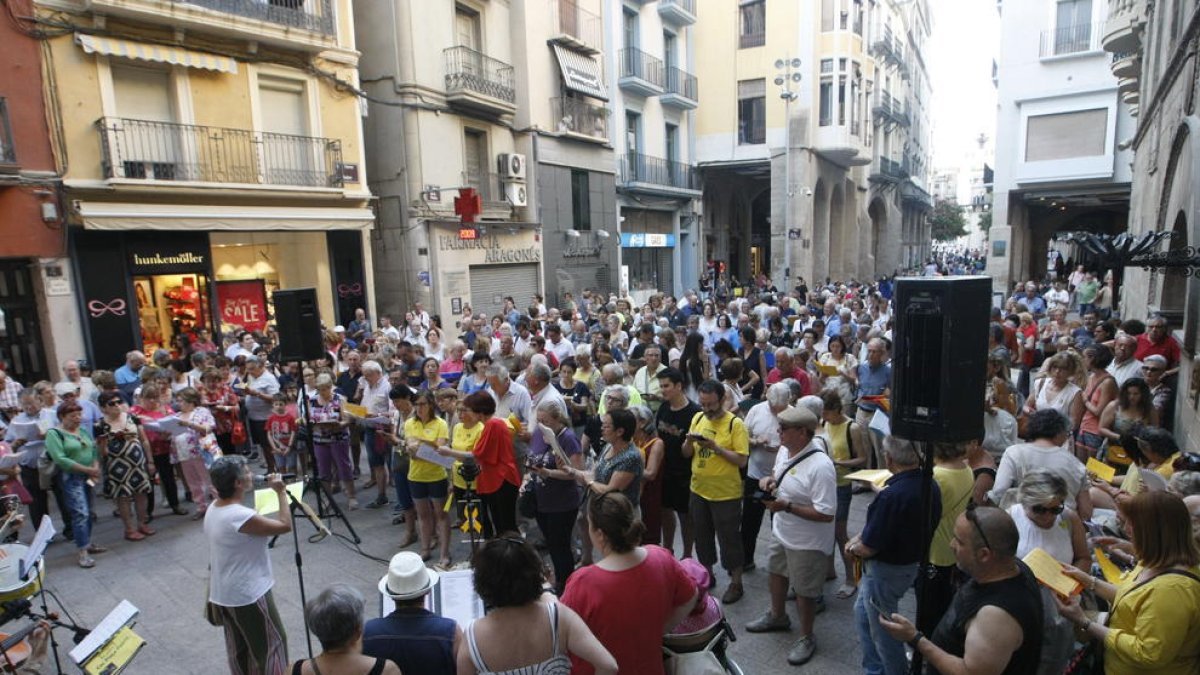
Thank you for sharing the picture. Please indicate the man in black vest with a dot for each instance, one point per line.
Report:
(994, 625)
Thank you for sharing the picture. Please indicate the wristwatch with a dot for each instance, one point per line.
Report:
(787, 507)
(916, 639)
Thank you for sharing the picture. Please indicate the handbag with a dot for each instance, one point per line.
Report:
(237, 434)
(46, 468)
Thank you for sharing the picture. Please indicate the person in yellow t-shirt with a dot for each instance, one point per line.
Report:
(719, 447)
(427, 480)
(1154, 624)
(956, 482)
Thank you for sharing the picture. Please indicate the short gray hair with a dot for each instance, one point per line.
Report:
(225, 473)
(539, 370)
(645, 418)
(372, 366)
(335, 616)
(556, 409)
(1185, 483)
(779, 395)
(498, 371)
(783, 352)
(1039, 487)
(812, 403)
(902, 452)
(619, 391)
(615, 369)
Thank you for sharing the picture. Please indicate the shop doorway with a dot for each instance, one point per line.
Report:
(168, 306)
(20, 332)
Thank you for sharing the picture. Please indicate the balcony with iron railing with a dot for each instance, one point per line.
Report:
(680, 12)
(888, 171)
(914, 195)
(1083, 38)
(165, 151)
(1125, 25)
(8, 153)
(890, 111)
(581, 118)
(479, 82)
(576, 27)
(655, 175)
(753, 25)
(640, 72)
(888, 48)
(680, 89)
(309, 25)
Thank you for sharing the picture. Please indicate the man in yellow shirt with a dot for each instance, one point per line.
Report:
(719, 446)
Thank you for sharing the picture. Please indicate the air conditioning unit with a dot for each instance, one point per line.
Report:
(516, 194)
(511, 166)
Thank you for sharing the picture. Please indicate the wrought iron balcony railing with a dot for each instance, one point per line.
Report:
(1083, 37)
(637, 63)
(889, 169)
(681, 82)
(165, 151)
(313, 15)
(639, 168)
(469, 70)
(572, 20)
(580, 117)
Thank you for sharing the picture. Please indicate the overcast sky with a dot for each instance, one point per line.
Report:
(965, 40)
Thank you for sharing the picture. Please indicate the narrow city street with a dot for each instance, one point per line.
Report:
(165, 578)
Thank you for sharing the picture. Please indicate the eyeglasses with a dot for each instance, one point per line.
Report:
(1044, 510)
(974, 520)
(1152, 369)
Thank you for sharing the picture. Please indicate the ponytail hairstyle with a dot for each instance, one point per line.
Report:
(612, 514)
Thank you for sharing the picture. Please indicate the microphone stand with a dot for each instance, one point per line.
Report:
(293, 506)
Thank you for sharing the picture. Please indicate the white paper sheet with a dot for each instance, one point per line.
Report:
(29, 431)
(171, 424)
(880, 423)
(428, 453)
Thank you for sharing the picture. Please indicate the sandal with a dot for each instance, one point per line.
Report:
(134, 535)
(147, 530)
(445, 563)
(846, 591)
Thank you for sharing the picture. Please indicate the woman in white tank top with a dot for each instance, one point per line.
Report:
(1058, 391)
(1043, 521)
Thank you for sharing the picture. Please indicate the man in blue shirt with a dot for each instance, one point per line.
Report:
(891, 549)
(874, 379)
(1033, 302)
(128, 376)
(412, 637)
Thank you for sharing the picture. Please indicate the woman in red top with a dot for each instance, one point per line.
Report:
(151, 408)
(220, 400)
(498, 476)
(633, 595)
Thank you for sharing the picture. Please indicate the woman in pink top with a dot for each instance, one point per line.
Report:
(634, 594)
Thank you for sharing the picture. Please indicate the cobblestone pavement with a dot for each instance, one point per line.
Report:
(165, 577)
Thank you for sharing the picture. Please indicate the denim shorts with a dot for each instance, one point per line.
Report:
(434, 490)
(844, 494)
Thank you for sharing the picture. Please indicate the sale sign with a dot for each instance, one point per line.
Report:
(242, 304)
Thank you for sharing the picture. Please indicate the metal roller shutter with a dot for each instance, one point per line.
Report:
(490, 283)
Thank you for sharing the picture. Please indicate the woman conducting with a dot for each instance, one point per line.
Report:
(240, 579)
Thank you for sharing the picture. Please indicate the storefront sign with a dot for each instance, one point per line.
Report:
(581, 251)
(647, 240)
(243, 303)
(174, 254)
(494, 252)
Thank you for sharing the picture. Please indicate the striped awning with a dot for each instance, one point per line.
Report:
(581, 73)
(127, 49)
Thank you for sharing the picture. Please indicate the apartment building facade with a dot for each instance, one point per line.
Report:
(1063, 119)
(442, 120)
(211, 155)
(795, 128)
(1150, 45)
(654, 93)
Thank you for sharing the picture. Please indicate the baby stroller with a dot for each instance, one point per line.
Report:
(699, 644)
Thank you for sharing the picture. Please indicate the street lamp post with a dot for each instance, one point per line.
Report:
(788, 76)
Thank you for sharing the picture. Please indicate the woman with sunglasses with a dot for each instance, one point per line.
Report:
(1044, 521)
(124, 445)
(1154, 623)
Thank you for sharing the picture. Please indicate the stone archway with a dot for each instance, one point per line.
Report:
(878, 214)
(820, 238)
(837, 233)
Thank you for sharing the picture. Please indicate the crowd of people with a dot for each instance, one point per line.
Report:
(643, 445)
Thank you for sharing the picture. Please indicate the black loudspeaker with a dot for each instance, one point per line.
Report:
(298, 323)
(939, 362)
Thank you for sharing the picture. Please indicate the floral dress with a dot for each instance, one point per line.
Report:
(125, 469)
(189, 444)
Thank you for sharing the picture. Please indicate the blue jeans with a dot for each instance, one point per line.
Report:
(404, 500)
(885, 584)
(75, 494)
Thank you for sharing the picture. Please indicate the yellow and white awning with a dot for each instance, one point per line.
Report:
(112, 216)
(128, 49)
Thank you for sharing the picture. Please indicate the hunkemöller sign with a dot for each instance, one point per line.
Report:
(185, 258)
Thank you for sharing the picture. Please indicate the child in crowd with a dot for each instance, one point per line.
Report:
(281, 434)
